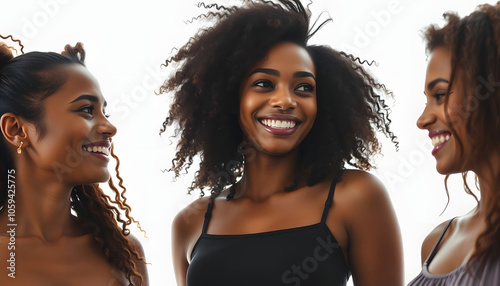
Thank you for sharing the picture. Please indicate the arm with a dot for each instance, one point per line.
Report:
(186, 228)
(179, 251)
(375, 248)
(141, 266)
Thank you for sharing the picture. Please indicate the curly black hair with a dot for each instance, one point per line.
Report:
(206, 96)
(474, 43)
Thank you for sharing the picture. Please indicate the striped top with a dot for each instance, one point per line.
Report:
(490, 276)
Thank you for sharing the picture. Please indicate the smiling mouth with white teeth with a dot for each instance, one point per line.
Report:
(97, 149)
(279, 124)
(439, 139)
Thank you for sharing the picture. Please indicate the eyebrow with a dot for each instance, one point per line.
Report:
(433, 83)
(266, 71)
(89, 97)
(303, 74)
(277, 73)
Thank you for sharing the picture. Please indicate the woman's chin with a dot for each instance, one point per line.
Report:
(97, 179)
(444, 169)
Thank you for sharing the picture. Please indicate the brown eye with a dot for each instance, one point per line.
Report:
(263, 84)
(89, 109)
(305, 88)
(439, 95)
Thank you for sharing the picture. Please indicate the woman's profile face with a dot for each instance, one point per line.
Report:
(433, 118)
(76, 141)
(278, 99)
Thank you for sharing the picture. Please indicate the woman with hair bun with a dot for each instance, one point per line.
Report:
(57, 227)
(275, 121)
(462, 115)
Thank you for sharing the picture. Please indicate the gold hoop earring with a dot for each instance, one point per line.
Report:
(19, 150)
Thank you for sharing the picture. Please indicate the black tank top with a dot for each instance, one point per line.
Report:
(307, 255)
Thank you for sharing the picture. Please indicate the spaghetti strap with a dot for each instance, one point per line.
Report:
(208, 214)
(329, 200)
(434, 249)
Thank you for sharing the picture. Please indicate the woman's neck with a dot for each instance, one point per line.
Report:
(42, 207)
(488, 174)
(266, 175)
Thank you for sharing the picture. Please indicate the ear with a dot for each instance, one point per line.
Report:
(14, 129)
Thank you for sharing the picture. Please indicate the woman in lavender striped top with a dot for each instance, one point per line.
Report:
(462, 116)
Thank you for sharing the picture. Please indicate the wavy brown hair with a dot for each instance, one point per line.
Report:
(206, 85)
(25, 81)
(474, 42)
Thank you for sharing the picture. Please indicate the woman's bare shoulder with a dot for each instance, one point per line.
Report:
(141, 265)
(431, 240)
(359, 187)
(191, 217)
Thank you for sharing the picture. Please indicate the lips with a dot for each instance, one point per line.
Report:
(439, 139)
(280, 125)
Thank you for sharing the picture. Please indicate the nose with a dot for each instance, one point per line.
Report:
(283, 99)
(426, 118)
(106, 129)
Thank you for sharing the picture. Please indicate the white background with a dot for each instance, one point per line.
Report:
(126, 41)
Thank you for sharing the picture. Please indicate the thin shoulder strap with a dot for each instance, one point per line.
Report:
(208, 214)
(329, 200)
(434, 249)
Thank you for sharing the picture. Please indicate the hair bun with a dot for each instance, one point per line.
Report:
(77, 51)
(6, 50)
(5, 54)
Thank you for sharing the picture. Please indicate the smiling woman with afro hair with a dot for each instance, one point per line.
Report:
(275, 121)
